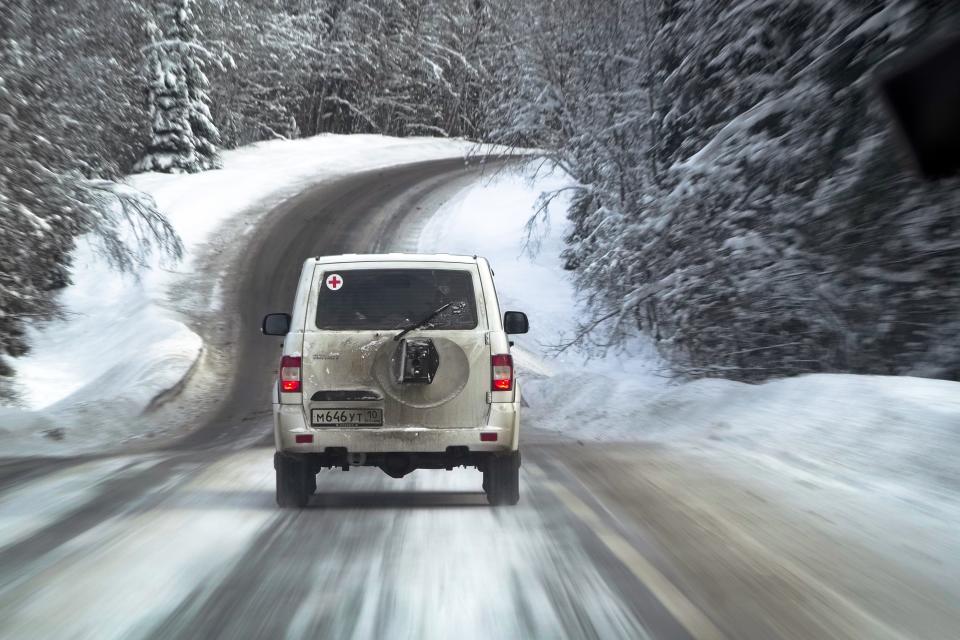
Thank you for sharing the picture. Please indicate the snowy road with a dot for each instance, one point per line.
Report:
(609, 541)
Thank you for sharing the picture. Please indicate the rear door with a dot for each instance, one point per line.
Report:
(350, 375)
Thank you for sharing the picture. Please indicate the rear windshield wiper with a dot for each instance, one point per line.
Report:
(433, 314)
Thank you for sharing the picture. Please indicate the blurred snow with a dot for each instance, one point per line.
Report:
(119, 344)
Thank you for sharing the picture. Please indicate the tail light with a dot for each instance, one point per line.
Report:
(290, 374)
(502, 366)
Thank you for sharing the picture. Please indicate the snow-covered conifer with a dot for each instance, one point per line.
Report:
(37, 209)
(183, 137)
(46, 201)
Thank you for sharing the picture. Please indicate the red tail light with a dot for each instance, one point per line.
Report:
(290, 374)
(502, 366)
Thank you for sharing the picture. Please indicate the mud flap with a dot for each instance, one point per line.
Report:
(295, 482)
(501, 480)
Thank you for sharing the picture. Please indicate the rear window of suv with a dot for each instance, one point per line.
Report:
(363, 299)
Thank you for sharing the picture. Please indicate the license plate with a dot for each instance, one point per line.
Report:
(346, 417)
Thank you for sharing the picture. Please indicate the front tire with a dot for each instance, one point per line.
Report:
(295, 483)
(501, 480)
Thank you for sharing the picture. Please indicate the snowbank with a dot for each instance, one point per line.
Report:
(489, 219)
(122, 342)
(898, 436)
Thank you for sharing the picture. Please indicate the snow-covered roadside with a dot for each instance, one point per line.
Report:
(490, 219)
(894, 437)
(121, 342)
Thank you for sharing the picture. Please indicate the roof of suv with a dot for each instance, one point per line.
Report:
(395, 257)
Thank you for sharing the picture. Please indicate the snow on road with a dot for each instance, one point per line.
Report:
(205, 553)
(122, 341)
(124, 575)
(28, 509)
(488, 573)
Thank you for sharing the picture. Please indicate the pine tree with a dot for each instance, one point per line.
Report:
(45, 200)
(39, 214)
(183, 137)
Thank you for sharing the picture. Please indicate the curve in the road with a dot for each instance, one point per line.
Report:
(622, 541)
(370, 212)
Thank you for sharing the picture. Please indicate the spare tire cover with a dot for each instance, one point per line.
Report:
(451, 378)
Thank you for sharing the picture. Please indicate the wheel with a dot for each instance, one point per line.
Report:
(295, 483)
(501, 479)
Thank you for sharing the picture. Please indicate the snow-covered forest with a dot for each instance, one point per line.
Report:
(739, 199)
(742, 199)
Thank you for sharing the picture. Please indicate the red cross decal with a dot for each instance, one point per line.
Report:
(334, 282)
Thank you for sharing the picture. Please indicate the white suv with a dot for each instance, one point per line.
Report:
(400, 362)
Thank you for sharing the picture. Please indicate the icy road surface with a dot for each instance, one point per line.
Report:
(194, 547)
(610, 540)
(620, 541)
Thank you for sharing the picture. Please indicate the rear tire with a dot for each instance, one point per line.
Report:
(295, 483)
(501, 480)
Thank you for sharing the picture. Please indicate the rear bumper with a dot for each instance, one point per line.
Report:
(504, 420)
